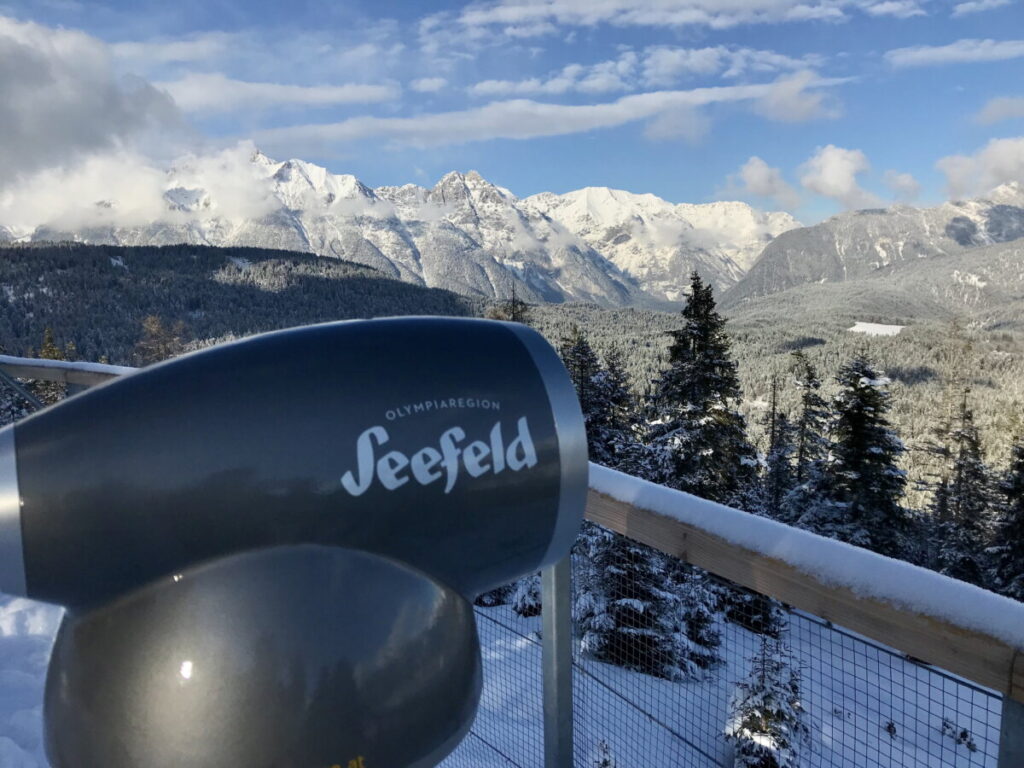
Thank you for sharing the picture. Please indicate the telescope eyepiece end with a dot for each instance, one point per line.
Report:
(12, 555)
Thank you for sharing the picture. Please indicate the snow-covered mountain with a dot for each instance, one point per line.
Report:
(881, 240)
(463, 234)
(659, 243)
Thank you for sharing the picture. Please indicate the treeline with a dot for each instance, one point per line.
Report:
(97, 295)
(829, 464)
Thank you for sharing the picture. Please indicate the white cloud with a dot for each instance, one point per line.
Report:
(966, 50)
(665, 65)
(67, 198)
(428, 84)
(1002, 108)
(189, 49)
(791, 99)
(604, 77)
(514, 119)
(903, 185)
(832, 172)
(686, 123)
(218, 93)
(901, 9)
(999, 161)
(977, 6)
(63, 101)
(542, 15)
(758, 179)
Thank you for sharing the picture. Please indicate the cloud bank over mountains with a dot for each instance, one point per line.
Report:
(91, 121)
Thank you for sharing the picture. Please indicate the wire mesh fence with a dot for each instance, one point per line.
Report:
(674, 667)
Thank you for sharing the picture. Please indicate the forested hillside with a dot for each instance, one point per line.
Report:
(96, 296)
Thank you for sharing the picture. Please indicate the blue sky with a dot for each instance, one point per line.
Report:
(811, 105)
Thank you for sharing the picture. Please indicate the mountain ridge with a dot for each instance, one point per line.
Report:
(464, 234)
(870, 241)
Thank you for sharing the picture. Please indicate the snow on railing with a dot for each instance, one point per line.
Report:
(81, 373)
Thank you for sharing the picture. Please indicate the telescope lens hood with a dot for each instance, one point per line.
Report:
(302, 656)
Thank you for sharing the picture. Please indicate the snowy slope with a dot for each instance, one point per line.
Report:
(882, 240)
(464, 234)
(660, 243)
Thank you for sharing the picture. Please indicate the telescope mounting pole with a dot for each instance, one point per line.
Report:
(556, 634)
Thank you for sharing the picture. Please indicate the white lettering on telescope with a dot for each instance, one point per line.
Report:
(394, 469)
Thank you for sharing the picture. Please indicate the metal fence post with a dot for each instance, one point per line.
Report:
(1011, 735)
(556, 635)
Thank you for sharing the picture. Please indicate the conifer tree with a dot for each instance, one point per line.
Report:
(1007, 551)
(52, 391)
(158, 342)
(608, 406)
(604, 757)
(513, 310)
(779, 476)
(526, 599)
(963, 504)
(861, 485)
(697, 433)
(810, 441)
(810, 447)
(583, 367)
(629, 612)
(766, 714)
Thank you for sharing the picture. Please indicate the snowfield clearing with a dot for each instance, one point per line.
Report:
(876, 329)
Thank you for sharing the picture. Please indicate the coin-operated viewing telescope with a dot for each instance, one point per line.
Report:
(267, 549)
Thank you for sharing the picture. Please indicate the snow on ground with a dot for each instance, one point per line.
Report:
(876, 329)
(27, 631)
(900, 584)
(852, 692)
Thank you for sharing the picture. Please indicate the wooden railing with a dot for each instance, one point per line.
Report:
(968, 651)
(74, 373)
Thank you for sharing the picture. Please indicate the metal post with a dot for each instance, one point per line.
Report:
(1011, 735)
(556, 633)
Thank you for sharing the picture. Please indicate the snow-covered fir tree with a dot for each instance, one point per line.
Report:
(697, 434)
(963, 505)
(603, 757)
(766, 715)
(159, 341)
(810, 441)
(700, 603)
(755, 612)
(50, 392)
(526, 597)
(1007, 551)
(631, 612)
(608, 405)
(779, 475)
(859, 492)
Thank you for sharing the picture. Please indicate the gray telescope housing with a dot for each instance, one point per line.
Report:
(421, 460)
